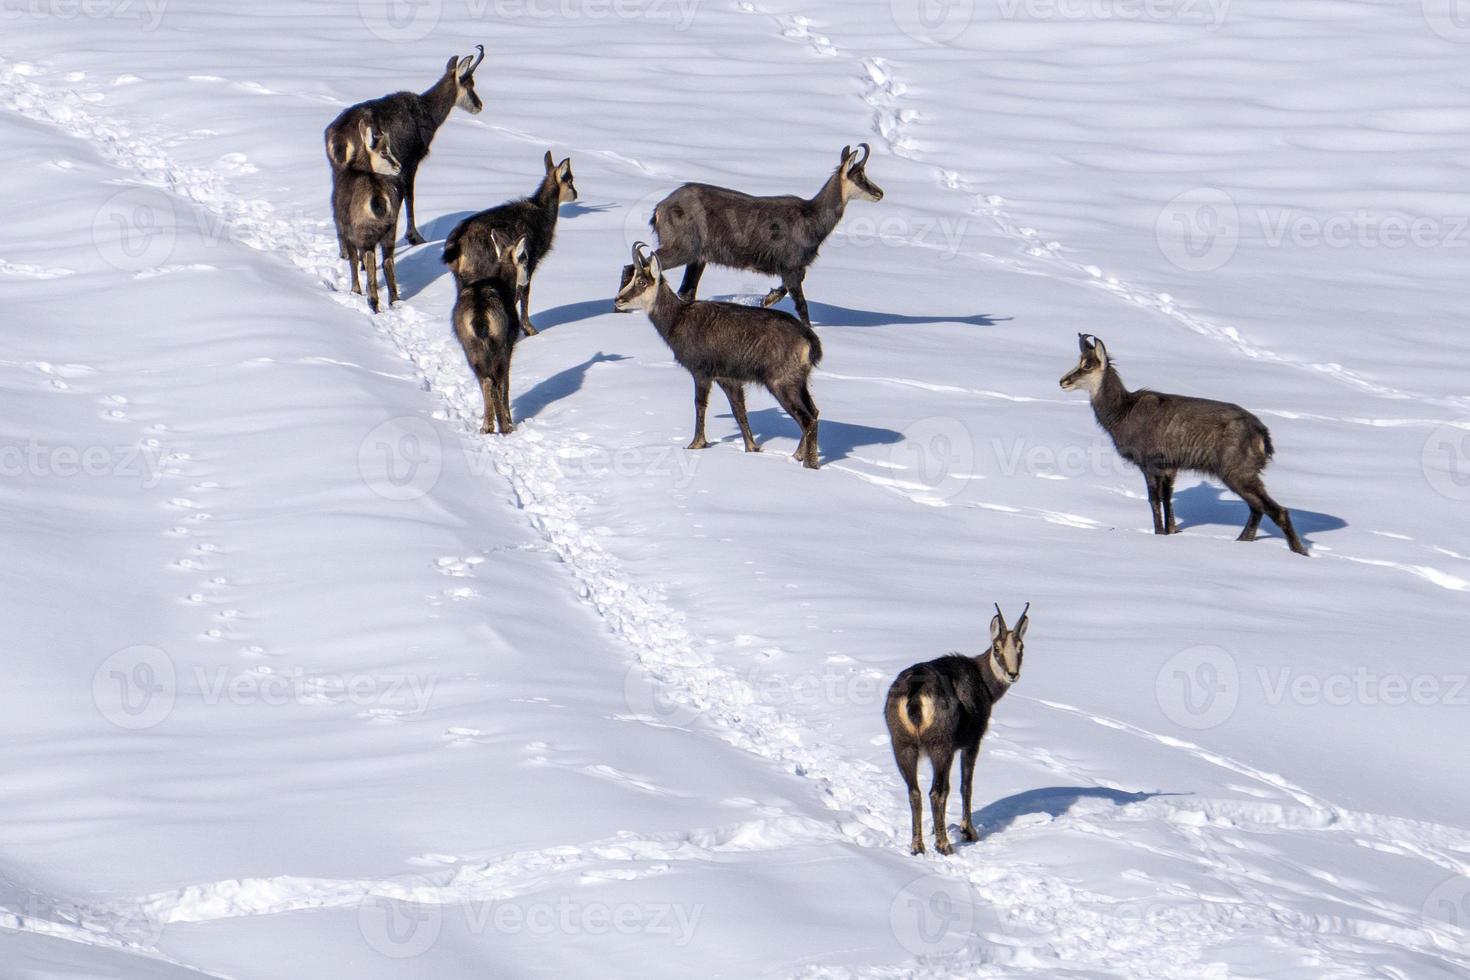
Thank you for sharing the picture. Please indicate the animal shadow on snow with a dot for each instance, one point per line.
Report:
(836, 440)
(1054, 801)
(1205, 503)
(567, 381)
(828, 315)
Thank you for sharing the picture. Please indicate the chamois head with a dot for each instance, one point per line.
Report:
(560, 175)
(513, 258)
(1088, 373)
(379, 150)
(853, 168)
(640, 281)
(1006, 648)
(463, 70)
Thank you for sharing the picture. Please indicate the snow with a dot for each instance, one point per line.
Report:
(309, 678)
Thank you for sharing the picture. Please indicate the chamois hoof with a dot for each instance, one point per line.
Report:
(773, 297)
(698, 444)
(487, 428)
(686, 296)
(1301, 549)
(529, 330)
(944, 847)
(753, 447)
(413, 237)
(970, 834)
(373, 305)
(916, 847)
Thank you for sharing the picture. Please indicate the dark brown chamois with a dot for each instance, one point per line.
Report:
(937, 708)
(487, 327)
(410, 120)
(365, 209)
(1162, 434)
(779, 236)
(731, 345)
(468, 249)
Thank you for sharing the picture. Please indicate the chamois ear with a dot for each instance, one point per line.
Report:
(519, 252)
(1023, 622)
(653, 268)
(997, 627)
(452, 66)
(496, 242)
(550, 164)
(1100, 351)
(847, 156)
(1083, 344)
(563, 167)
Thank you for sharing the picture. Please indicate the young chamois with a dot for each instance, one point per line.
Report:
(365, 209)
(936, 708)
(779, 236)
(487, 327)
(1163, 434)
(410, 121)
(468, 249)
(733, 346)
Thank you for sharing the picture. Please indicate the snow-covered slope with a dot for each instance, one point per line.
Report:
(308, 678)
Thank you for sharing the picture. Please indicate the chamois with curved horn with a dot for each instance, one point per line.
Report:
(731, 345)
(1162, 434)
(937, 708)
(410, 119)
(780, 236)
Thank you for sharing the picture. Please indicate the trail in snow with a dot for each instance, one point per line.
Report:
(883, 92)
(1078, 927)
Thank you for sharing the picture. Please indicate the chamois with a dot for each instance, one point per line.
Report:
(936, 708)
(468, 249)
(410, 120)
(365, 209)
(1162, 434)
(487, 327)
(780, 236)
(731, 345)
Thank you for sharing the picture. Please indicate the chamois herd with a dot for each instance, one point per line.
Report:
(933, 709)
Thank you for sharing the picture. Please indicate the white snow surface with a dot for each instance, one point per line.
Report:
(308, 678)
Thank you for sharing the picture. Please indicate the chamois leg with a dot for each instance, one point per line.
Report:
(390, 273)
(907, 757)
(793, 286)
(370, 273)
(1275, 511)
(1166, 490)
(701, 402)
(501, 367)
(943, 759)
(690, 285)
(735, 392)
(789, 397)
(408, 177)
(354, 259)
(488, 393)
(811, 460)
(1252, 498)
(1153, 482)
(524, 295)
(968, 756)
